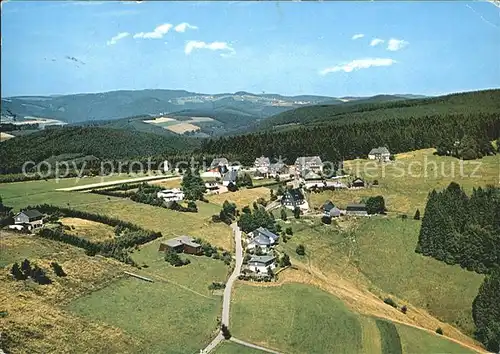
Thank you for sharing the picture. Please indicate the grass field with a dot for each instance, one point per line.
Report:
(379, 255)
(227, 347)
(406, 182)
(90, 230)
(177, 302)
(305, 319)
(241, 197)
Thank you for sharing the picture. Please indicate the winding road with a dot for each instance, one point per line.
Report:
(226, 301)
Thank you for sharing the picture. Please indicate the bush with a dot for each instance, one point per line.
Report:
(289, 231)
(404, 309)
(174, 259)
(301, 250)
(58, 269)
(225, 332)
(390, 302)
(417, 215)
(439, 330)
(326, 219)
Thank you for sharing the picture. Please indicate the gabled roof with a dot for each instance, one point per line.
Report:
(380, 150)
(276, 166)
(230, 176)
(261, 240)
(328, 205)
(303, 160)
(358, 180)
(262, 259)
(219, 161)
(181, 240)
(334, 211)
(356, 207)
(294, 194)
(31, 213)
(308, 174)
(265, 232)
(262, 161)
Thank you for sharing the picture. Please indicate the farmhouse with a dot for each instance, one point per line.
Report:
(262, 164)
(263, 238)
(313, 163)
(170, 195)
(27, 219)
(259, 264)
(358, 183)
(380, 153)
(356, 209)
(309, 174)
(219, 162)
(329, 209)
(277, 169)
(292, 198)
(229, 177)
(181, 244)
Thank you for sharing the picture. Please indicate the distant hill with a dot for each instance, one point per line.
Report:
(103, 143)
(386, 106)
(121, 104)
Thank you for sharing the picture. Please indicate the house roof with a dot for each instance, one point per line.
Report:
(358, 180)
(265, 232)
(303, 160)
(262, 161)
(261, 240)
(293, 194)
(262, 259)
(276, 166)
(308, 174)
(334, 211)
(356, 207)
(219, 161)
(31, 213)
(181, 240)
(380, 150)
(230, 176)
(328, 205)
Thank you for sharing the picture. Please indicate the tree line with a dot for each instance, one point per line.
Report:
(465, 230)
(351, 139)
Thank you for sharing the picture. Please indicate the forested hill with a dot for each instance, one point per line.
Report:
(102, 143)
(401, 126)
(373, 109)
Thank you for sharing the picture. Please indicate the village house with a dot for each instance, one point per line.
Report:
(262, 238)
(358, 183)
(262, 164)
(180, 244)
(356, 209)
(279, 169)
(380, 153)
(294, 198)
(309, 175)
(260, 264)
(27, 219)
(170, 195)
(230, 177)
(312, 163)
(219, 162)
(329, 209)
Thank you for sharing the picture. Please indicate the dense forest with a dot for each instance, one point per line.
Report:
(371, 109)
(465, 230)
(102, 143)
(348, 140)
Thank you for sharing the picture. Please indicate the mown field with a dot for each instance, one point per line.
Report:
(406, 182)
(241, 197)
(131, 314)
(378, 253)
(305, 319)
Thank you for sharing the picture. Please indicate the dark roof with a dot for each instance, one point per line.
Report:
(261, 240)
(181, 240)
(32, 213)
(354, 207)
(328, 205)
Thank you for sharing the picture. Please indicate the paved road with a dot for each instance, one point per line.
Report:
(226, 301)
(116, 182)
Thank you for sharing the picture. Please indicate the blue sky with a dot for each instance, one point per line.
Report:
(325, 48)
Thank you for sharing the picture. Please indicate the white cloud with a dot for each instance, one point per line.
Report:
(192, 45)
(358, 36)
(183, 26)
(376, 41)
(359, 64)
(158, 32)
(116, 38)
(396, 44)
